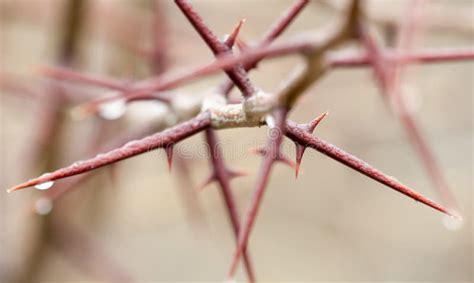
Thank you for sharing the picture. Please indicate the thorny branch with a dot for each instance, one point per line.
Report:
(211, 112)
(387, 74)
(238, 75)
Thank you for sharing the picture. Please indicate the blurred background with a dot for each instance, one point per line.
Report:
(136, 221)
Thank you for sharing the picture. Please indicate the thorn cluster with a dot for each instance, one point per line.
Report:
(300, 149)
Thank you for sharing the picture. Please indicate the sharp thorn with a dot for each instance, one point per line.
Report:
(236, 173)
(313, 124)
(285, 160)
(209, 179)
(299, 156)
(231, 39)
(300, 149)
(169, 155)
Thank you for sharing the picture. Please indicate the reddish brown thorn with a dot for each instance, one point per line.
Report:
(276, 30)
(133, 148)
(299, 135)
(300, 149)
(313, 124)
(230, 174)
(231, 39)
(236, 73)
(280, 157)
(299, 156)
(169, 155)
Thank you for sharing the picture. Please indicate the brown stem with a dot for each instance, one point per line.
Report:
(236, 73)
(271, 155)
(162, 139)
(387, 74)
(222, 176)
(275, 31)
(299, 135)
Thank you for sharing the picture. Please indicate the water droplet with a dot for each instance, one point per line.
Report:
(44, 185)
(43, 206)
(113, 110)
(452, 223)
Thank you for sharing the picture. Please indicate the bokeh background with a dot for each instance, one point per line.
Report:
(331, 224)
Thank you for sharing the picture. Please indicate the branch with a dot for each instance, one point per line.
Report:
(387, 74)
(275, 31)
(133, 148)
(222, 176)
(343, 59)
(272, 153)
(237, 72)
(67, 186)
(299, 135)
(313, 69)
(239, 76)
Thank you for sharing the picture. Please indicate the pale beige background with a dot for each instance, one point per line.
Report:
(331, 224)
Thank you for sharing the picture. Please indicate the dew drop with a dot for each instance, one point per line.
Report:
(45, 185)
(43, 206)
(452, 223)
(113, 110)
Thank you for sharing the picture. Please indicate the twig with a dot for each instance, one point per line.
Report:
(133, 148)
(273, 151)
(239, 76)
(236, 73)
(388, 75)
(299, 135)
